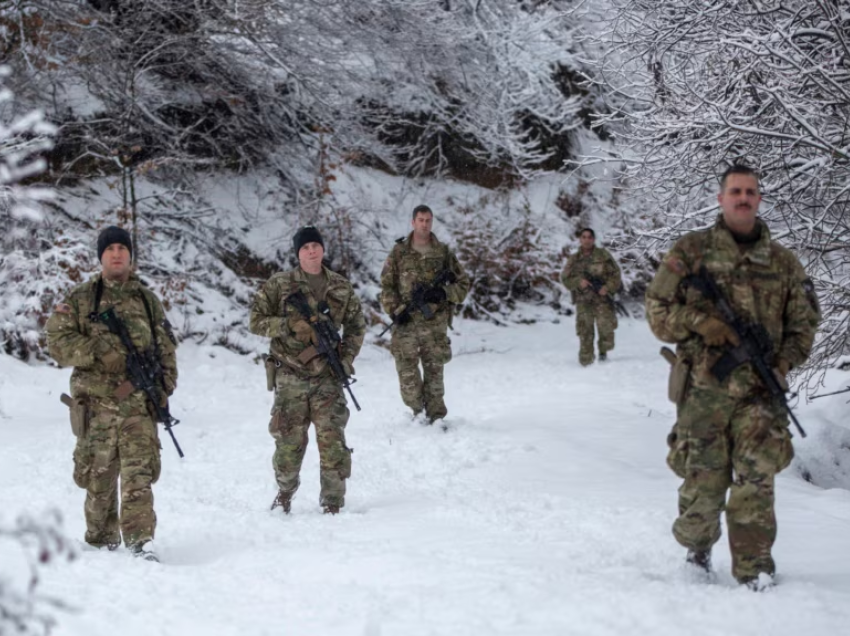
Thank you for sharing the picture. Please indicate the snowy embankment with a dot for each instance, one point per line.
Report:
(545, 509)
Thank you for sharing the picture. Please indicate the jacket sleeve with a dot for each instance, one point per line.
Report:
(167, 345)
(669, 317)
(390, 297)
(264, 319)
(613, 275)
(66, 342)
(570, 278)
(353, 328)
(457, 291)
(800, 318)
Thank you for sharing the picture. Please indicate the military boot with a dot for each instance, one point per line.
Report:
(330, 509)
(700, 559)
(761, 583)
(144, 550)
(283, 500)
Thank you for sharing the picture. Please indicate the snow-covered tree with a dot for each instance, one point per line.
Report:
(761, 82)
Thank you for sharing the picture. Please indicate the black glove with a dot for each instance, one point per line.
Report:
(434, 295)
(451, 278)
(403, 318)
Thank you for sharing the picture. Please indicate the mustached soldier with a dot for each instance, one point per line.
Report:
(305, 387)
(117, 438)
(731, 434)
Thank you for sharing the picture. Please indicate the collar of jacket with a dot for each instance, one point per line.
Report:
(759, 252)
(130, 286)
(408, 243)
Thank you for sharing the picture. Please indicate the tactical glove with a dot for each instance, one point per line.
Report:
(434, 295)
(403, 318)
(451, 278)
(781, 372)
(303, 331)
(348, 367)
(114, 361)
(715, 333)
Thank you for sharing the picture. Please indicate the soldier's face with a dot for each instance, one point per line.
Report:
(587, 241)
(739, 199)
(116, 262)
(422, 223)
(310, 257)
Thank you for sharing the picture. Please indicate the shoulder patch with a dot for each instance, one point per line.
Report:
(62, 308)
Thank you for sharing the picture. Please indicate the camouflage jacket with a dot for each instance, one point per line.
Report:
(75, 340)
(598, 263)
(272, 316)
(405, 268)
(765, 284)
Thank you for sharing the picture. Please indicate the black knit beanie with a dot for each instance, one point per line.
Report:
(110, 235)
(307, 234)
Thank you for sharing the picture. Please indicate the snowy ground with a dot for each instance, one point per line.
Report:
(545, 509)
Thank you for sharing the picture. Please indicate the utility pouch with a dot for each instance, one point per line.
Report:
(79, 415)
(271, 372)
(680, 374)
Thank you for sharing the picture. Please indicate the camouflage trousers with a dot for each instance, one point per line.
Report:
(297, 403)
(720, 443)
(603, 315)
(121, 444)
(424, 342)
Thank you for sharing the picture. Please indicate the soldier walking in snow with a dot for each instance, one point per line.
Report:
(593, 277)
(117, 436)
(289, 309)
(420, 282)
(732, 432)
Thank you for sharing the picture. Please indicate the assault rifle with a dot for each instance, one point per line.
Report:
(144, 372)
(597, 283)
(327, 339)
(417, 298)
(755, 345)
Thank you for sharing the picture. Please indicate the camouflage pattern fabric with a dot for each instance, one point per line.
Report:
(298, 402)
(421, 341)
(591, 308)
(308, 392)
(122, 442)
(730, 434)
(272, 317)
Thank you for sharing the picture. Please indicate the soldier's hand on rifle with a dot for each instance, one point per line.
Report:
(434, 295)
(584, 284)
(716, 333)
(303, 331)
(402, 318)
(348, 367)
(603, 291)
(781, 372)
(114, 361)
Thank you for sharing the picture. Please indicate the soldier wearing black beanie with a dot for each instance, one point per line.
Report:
(110, 235)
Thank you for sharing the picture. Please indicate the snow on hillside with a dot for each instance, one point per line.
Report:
(545, 508)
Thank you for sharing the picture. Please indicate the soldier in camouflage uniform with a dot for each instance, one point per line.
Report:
(591, 262)
(417, 260)
(304, 385)
(731, 435)
(117, 437)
